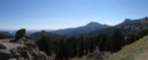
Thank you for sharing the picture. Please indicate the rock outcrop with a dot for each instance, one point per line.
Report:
(17, 51)
(20, 48)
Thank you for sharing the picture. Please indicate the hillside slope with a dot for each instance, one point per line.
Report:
(135, 51)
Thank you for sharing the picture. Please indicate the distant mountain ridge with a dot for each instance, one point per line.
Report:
(135, 24)
(90, 27)
(130, 25)
(5, 34)
(94, 28)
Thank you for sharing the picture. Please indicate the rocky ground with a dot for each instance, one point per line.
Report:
(16, 51)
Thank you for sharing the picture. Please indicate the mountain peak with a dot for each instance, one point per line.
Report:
(93, 24)
(127, 20)
(90, 27)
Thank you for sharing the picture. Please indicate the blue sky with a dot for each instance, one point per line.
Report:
(57, 14)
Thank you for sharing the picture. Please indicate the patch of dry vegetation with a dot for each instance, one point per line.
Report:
(131, 51)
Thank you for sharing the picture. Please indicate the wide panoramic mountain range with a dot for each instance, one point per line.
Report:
(92, 28)
(84, 40)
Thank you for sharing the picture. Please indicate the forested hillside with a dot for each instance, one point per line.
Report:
(110, 39)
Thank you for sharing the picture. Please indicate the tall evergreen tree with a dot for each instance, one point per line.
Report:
(117, 40)
(44, 43)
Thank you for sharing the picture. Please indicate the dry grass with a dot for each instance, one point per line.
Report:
(131, 51)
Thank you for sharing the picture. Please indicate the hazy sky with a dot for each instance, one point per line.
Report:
(56, 14)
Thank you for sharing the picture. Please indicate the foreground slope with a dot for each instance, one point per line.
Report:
(135, 51)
